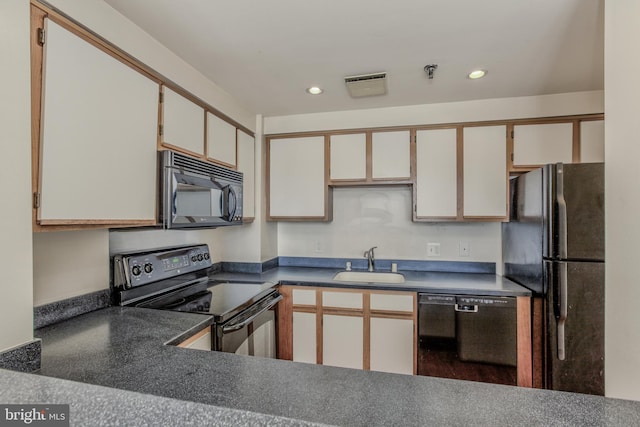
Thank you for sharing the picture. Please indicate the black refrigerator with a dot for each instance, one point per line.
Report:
(553, 244)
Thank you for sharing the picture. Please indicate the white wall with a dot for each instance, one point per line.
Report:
(622, 203)
(16, 287)
(377, 216)
(452, 112)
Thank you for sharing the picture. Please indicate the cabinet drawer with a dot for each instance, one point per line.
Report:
(304, 296)
(390, 302)
(342, 299)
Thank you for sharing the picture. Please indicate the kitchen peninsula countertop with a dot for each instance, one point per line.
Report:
(415, 281)
(124, 348)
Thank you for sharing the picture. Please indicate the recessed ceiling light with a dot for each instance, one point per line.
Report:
(314, 90)
(477, 74)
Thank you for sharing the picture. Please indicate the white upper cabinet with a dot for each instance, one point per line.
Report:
(98, 137)
(183, 123)
(349, 157)
(391, 155)
(592, 141)
(539, 144)
(246, 165)
(436, 173)
(485, 171)
(297, 186)
(221, 140)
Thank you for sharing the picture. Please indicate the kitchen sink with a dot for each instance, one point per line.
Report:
(369, 277)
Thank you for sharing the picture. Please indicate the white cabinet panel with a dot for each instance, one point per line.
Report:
(246, 165)
(342, 338)
(542, 143)
(297, 180)
(99, 135)
(390, 155)
(183, 122)
(392, 302)
(436, 173)
(592, 141)
(342, 299)
(304, 296)
(485, 171)
(221, 140)
(304, 337)
(392, 345)
(349, 156)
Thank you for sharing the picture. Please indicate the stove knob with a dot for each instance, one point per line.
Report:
(200, 257)
(206, 255)
(148, 268)
(193, 258)
(200, 308)
(136, 270)
(207, 305)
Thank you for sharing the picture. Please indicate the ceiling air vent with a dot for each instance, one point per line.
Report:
(367, 84)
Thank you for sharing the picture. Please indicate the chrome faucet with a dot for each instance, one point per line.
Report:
(371, 258)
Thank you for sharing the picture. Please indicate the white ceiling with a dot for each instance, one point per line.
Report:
(266, 53)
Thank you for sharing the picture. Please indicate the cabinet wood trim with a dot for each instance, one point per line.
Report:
(538, 334)
(366, 331)
(460, 172)
(37, 21)
(388, 314)
(575, 143)
(319, 323)
(195, 337)
(523, 340)
(284, 315)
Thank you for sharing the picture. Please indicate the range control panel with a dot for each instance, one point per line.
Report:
(136, 269)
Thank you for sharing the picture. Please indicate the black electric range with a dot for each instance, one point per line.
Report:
(177, 279)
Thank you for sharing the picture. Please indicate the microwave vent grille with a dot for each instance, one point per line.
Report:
(189, 164)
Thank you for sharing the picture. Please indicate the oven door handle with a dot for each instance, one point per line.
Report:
(244, 323)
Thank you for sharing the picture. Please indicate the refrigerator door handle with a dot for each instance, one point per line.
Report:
(561, 203)
(562, 302)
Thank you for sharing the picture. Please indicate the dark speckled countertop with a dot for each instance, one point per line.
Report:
(124, 348)
(416, 281)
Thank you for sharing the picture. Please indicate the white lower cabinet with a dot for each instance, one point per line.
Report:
(304, 337)
(361, 329)
(342, 341)
(200, 341)
(392, 345)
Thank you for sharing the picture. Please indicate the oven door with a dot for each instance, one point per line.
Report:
(252, 332)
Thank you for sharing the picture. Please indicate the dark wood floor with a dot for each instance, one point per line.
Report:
(439, 358)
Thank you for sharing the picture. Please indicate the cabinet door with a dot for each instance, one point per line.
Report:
(592, 141)
(304, 337)
(542, 143)
(390, 155)
(485, 171)
(183, 123)
(342, 340)
(98, 137)
(392, 345)
(221, 140)
(349, 157)
(297, 187)
(436, 173)
(246, 165)
(200, 341)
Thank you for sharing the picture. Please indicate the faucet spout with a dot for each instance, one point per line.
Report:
(370, 256)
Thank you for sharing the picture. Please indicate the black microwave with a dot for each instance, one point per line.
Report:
(197, 194)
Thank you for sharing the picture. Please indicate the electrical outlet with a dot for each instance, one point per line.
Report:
(464, 249)
(433, 249)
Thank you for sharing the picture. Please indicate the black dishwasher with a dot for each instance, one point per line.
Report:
(469, 337)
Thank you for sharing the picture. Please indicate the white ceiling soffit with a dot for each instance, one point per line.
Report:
(266, 53)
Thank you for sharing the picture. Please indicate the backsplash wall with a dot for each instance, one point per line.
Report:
(381, 216)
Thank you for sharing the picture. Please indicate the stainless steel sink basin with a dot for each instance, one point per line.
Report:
(369, 277)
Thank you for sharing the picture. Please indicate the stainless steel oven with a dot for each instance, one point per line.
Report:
(244, 319)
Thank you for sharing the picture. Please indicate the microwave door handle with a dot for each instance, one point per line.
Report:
(232, 195)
